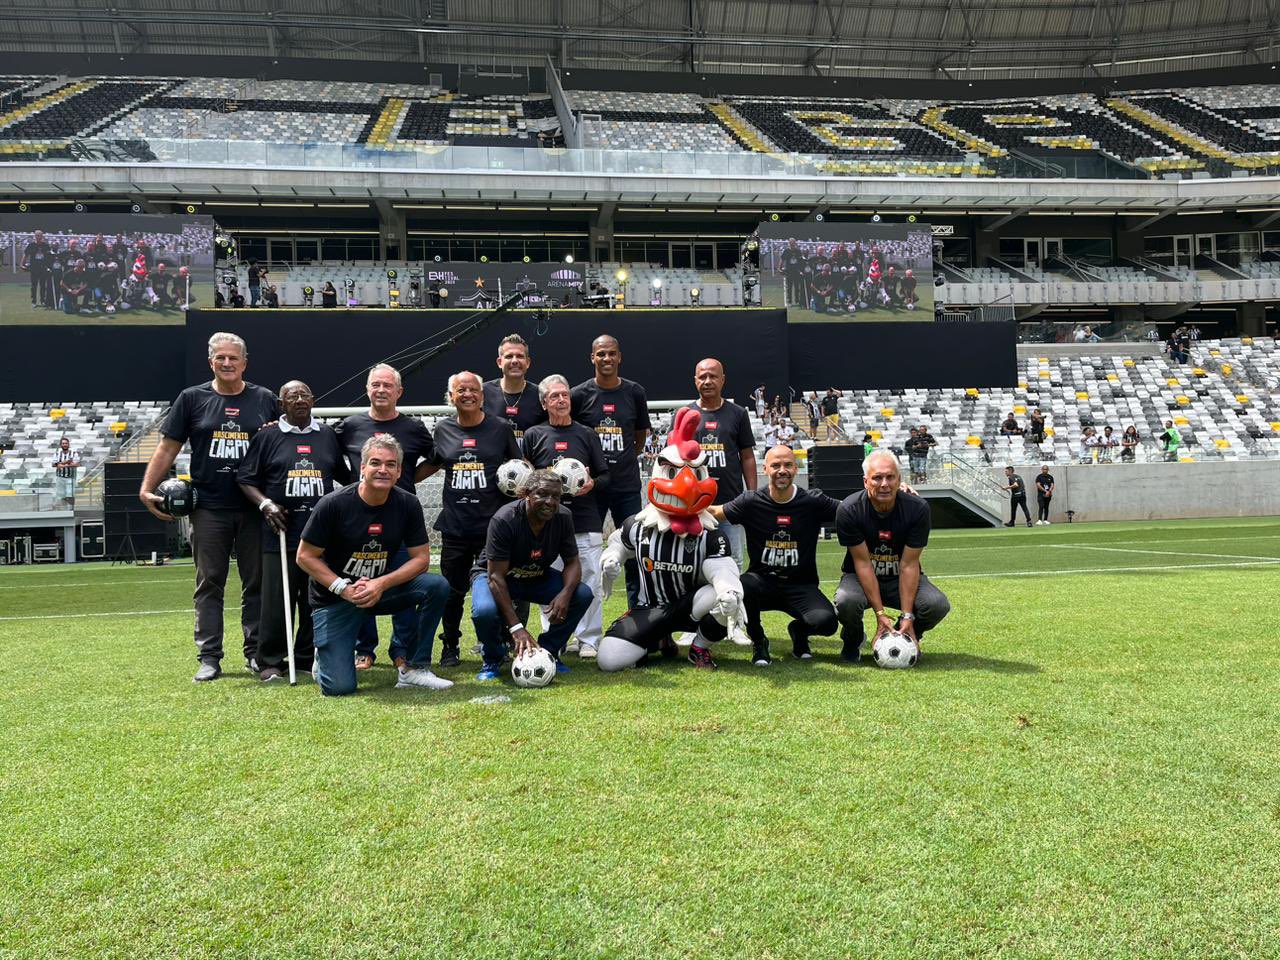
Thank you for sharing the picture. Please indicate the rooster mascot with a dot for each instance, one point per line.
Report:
(688, 577)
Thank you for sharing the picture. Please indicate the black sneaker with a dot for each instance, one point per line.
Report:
(267, 674)
(701, 657)
(760, 653)
(667, 647)
(799, 642)
(851, 651)
(1009, 524)
(449, 656)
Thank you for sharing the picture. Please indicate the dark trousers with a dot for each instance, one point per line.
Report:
(1042, 504)
(457, 557)
(213, 535)
(272, 637)
(648, 626)
(803, 602)
(402, 623)
(620, 505)
(931, 606)
(1016, 501)
(337, 625)
(493, 633)
(41, 291)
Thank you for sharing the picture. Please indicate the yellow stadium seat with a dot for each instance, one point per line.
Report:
(1215, 353)
(1221, 444)
(1181, 421)
(1247, 341)
(8, 493)
(1226, 369)
(1186, 460)
(1048, 431)
(119, 426)
(971, 392)
(57, 413)
(1128, 363)
(1082, 395)
(1275, 427)
(1199, 372)
(973, 441)
(1020, 410)
(1112, 377)
(1241, 398)
(1044, 359)
(1172, 381)
(1182, 400)
(876, 435)
(1044, 373)
(1022, 384)
(886, 411)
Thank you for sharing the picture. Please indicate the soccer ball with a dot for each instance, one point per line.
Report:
(512, 475)
(911, 306)
(178, 501)
(110, 308)
(533, 668)
(573, 473)
(895, 651)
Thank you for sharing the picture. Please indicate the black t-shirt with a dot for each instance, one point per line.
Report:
(219, 428)
(358, 539)
(782, 538)
(1019, 488)
(523, 413)
(471, 457)
(36, 255)
(545, 445)
(412, 433)
(723, 434)
(530, 555)
(295, 470)
(917, 447)
(830, 405)
(1043, 482)
(328, 298)
(885, 534)
(615, 415)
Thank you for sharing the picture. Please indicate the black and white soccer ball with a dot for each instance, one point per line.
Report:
(895, 651)
(533, 668)
(178, 500)
(573, 474)
(512, 476)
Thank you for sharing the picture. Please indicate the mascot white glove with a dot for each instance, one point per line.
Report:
(611, 560)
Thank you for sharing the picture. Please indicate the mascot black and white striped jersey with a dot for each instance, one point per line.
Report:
(670, 565)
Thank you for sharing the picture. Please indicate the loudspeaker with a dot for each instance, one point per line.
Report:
(836, 469)
(126, 521)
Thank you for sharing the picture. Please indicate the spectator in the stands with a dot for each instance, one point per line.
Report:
(1107, 444)
(1035, 427)
(255, 283)
(328, 295)
(234, 297)
(1010, 427)
(1129, 444)
(1088, 445)
(270, 298)
(815, 412)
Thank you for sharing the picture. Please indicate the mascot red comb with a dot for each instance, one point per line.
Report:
(688, 579)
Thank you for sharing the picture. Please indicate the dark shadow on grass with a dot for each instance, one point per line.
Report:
(968, 661)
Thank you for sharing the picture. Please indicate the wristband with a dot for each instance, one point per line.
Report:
(515, 628)
(879, 613)
(266, 503)
(339, 586)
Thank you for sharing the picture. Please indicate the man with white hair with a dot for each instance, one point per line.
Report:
(545, 445)
(385, 388)
(219, 419)
(469, 448)
(885, 530)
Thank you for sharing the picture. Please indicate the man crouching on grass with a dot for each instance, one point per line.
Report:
(355, 530)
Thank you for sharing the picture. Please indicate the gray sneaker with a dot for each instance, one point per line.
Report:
(268, 674)
(421, 677)
(207, 672)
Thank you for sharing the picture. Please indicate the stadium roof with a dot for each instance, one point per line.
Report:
(920, 39)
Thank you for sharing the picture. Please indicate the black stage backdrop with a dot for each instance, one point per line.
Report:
(80, 362)
(893, 356)
(659, 347)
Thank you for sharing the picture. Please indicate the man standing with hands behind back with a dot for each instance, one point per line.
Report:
(726, 439)
(885, 530)
(618, 411)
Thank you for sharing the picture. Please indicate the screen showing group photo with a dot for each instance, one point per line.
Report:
(847, 271)
(104, 267)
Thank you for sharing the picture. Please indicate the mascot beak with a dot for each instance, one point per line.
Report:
(684, 495)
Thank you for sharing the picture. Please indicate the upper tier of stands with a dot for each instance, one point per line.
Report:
(1211, 131)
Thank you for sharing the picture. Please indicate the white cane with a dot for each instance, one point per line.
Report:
(288, 608)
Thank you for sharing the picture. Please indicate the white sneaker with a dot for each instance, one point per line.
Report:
(1047, 522)
(415, 677)
(685, 639)
(573, 646)
(586, 651)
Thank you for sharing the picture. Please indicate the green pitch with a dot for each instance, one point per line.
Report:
(16, 310)
(1083, 765)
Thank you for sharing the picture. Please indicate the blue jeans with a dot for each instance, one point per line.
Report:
(337, 625)
(402, 624)
(492, 632)
(621, 505)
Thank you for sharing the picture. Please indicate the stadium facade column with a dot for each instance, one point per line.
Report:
(1251, 319)
(601, 231)
(393, 232)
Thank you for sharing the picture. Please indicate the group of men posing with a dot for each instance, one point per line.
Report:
(103, 275)
(264, 473)
(839, 278)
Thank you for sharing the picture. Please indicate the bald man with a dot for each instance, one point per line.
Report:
(618, 411)
(290, 465)
(726, 438)
(782, 524)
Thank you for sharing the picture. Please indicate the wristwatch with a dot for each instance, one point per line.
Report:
(908, 616)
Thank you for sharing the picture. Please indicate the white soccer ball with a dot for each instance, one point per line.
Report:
(911, 306)
(533, 668)
(895, 651)
(573, 473)
(512, 475)
(110, 308)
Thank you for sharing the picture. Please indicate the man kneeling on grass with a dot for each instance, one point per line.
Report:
(355, 530)
(525, 538)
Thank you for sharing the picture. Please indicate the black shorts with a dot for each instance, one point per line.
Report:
(647, 626)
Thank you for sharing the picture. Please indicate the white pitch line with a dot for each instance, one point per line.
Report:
(77, 616)
(943, 544)
(1165, 553)
(1270, 561)
(95, 583)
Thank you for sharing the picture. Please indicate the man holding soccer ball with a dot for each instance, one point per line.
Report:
(545, 445)
(525, 539)
(885, 530)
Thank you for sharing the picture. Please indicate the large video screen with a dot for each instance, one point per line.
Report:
(104, 267)
(847, 271)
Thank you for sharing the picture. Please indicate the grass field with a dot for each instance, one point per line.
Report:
(1084, 764)
(16, 310)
